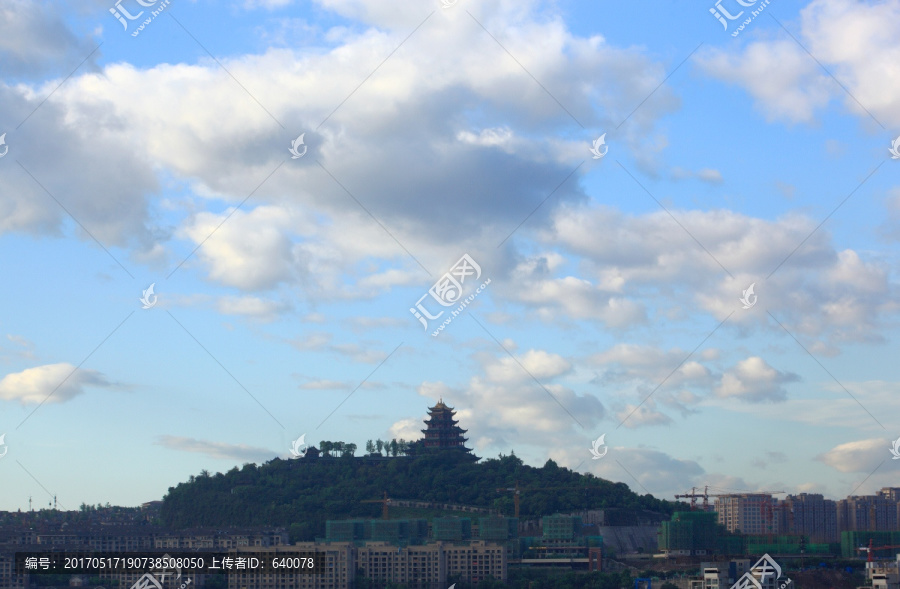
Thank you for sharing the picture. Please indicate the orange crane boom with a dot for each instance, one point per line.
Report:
(693, 495)
(517, 491)
(385, 501)
(870, 548)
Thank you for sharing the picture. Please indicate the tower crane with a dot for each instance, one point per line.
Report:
(517, 491)
(385, 501)
(693, 495)
(870, 548)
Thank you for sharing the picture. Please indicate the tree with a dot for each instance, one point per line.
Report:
(379, 444)
(325, 447)
(370, 447)
(348, 449)
(394, 448)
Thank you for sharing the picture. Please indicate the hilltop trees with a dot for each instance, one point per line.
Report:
(301, 494)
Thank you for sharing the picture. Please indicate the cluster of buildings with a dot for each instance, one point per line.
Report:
(756, 523)
(415, 551)
(123, 539)
(821, 519)
(445, 550)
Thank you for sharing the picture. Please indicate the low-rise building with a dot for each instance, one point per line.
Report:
(423, 565)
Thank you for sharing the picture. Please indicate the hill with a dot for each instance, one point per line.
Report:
(301, 494)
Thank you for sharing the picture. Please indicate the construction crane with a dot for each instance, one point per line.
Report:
(870, 548)
(693, 495)
(385, 501)
(517, 491)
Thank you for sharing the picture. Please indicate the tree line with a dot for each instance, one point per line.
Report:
(394, 448)
(302, 494)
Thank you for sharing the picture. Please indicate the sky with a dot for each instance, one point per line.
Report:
(645, 242)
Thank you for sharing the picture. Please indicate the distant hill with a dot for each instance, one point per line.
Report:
(301, 494)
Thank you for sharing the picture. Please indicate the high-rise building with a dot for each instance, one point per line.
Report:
(689, 533)
(890, 493)
(812, 515)
(442, 430)
(747, 513)
(867, 513)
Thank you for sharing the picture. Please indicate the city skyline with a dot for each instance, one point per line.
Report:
(224, 226)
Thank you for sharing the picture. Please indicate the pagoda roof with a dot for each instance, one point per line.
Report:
(440, 406)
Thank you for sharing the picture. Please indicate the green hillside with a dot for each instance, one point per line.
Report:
(301, 494)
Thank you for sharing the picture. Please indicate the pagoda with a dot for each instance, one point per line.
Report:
(442, 431)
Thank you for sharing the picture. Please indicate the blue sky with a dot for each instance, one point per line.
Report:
(284, 286)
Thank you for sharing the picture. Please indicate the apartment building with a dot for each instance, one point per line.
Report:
(420, 565)
(748, 513)
(811, 515)
(867, 513)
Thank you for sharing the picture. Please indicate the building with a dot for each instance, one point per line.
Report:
(335, 570)
(722, 575)
(8, 577)
(423, 565)
(813, 516)
(884, 575)
(867, 513)
(442, 430)
(747, 513)
(563, 542)
(689, 533)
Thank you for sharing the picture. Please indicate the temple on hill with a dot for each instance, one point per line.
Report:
(442, 431)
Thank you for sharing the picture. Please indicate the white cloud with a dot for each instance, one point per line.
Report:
(249, 306)
(706, 175)
(319, 385)
(858, 456)
(652, 470)
(407, 429)
(505, 408)
(819, 294)
(754, 380)
(536, 363)
(783, 79)
(216, 450)
(380, 145)
(50, 383)
(34, 39)
(633, 416)
(855, 41)
(251, 251)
